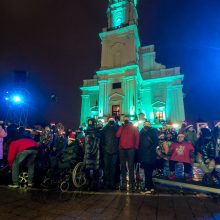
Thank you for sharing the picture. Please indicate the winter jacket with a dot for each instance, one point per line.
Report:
(18, 146)
(109, 141)
(129, 137)
(181, 152)
(92, 149)
(148, 145)
(205, 145)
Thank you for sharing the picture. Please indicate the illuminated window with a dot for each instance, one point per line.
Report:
(116, 110)
(159, 116)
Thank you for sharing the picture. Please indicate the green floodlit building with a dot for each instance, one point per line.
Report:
(129, 80)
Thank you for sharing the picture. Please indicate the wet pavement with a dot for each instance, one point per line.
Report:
(24, 204)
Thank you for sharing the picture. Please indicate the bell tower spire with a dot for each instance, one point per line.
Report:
(122, 13)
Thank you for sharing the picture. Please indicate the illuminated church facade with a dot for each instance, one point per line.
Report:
(130, 81)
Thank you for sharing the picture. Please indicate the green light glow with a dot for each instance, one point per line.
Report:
(135, 2)
(132, 110)
(163, 79)
(146, 86)
(151, 115)
(118, 17)
(89, 88)
(164, 115)
(101, 112)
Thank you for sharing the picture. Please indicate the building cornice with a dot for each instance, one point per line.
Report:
(117, 70)
(162, 79)
(89, 88)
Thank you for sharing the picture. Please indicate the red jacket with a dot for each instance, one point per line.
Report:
(17, 146)
(181, 152)
(129, 137)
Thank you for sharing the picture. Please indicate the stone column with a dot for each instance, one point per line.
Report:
(103, 98)
(85, 110)
(146, 99)
(130, 93)
(174, 104)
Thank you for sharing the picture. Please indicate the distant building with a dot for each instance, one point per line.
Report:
(129, 80)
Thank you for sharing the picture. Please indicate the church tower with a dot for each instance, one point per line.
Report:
(129, 80)
(121, 13)
(120, 40)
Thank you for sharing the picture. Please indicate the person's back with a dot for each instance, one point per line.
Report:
(19, 145)
(20, 150)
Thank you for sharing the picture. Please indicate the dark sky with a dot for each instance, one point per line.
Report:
(57, 43)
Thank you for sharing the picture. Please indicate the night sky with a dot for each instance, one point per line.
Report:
(57, 43)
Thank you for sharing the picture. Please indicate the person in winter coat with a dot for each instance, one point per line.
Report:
(206, 152)
(147, 153)
(109, 144)
(20, 150)
(128, 144)
(181, 152)
(92, 154)
(205, 147)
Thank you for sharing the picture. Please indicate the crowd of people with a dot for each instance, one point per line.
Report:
(116, 149)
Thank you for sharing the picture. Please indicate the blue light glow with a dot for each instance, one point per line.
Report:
(17, 99)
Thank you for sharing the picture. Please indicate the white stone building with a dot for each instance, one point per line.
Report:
(129, 80)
